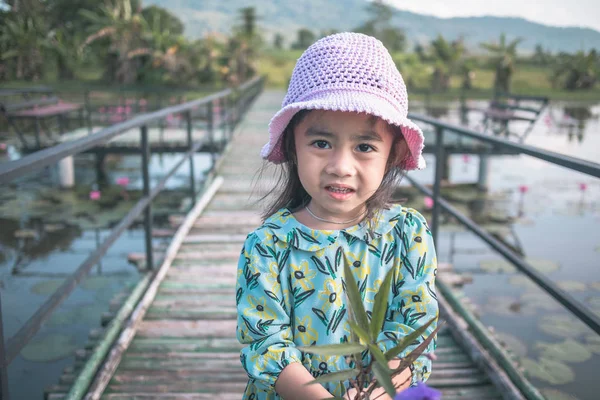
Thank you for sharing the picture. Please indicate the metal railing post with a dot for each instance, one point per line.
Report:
(211, 133)
(3, 363)
(146, 191)
(190, 142)
(223, 118)
(439, 170)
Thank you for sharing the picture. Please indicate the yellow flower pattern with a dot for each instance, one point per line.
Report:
(290, 291)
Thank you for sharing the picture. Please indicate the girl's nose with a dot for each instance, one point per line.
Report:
(341, 163)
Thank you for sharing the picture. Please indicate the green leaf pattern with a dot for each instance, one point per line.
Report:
(291, 292)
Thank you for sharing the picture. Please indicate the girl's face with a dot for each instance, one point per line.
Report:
(342, 158)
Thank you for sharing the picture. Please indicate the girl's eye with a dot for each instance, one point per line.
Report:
(321, 144)
(365, 148)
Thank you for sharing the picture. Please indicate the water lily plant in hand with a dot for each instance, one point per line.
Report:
(373, 379)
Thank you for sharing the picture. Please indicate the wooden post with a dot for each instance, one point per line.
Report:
(146, 191)
(439, 171)
(482, 177)
(211, 134)
(66, 173)
(190, 142)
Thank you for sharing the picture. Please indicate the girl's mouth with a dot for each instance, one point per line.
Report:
(339, 193)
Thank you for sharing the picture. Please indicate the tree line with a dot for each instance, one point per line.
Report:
(127, 42)
(135, 44)
(578, 71)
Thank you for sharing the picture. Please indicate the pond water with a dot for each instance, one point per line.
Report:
(47, 233)
(555, 223)
(556, 214)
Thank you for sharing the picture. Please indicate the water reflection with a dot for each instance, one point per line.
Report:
(33, 239)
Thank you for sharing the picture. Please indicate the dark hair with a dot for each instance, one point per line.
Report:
(288, 190)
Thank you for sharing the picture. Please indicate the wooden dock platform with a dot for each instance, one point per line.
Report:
(180, 342)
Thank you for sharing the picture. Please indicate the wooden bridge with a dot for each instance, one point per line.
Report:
(172, 336)
(180, 343)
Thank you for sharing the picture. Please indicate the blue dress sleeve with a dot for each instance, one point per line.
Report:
(263, 322)
(413, 300)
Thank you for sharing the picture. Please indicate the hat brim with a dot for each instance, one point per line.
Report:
(349, 101)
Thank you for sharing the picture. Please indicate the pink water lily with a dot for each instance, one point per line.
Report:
(123, 181)
(428, 202)
(523, 188)
(3, 146)
(95, 195)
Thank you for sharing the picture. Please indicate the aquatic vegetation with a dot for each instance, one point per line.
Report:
(551, 371)
(568, 351)
(501, 265)
(95, 283)
(572, 286)
(524, 281)
(88, 314)
(49, 348)
(553, 394)
(593, 343)
(47, 287)
(512, 343)
(497, 266)
(562, 326)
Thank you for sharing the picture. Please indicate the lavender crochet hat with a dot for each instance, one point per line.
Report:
(347, 72)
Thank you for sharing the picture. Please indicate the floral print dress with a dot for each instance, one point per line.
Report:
(290, 292)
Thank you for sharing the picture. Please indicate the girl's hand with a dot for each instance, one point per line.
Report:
(351, 394)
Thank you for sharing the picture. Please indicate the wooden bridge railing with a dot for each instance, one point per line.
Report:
(583, 313)
(233, 105)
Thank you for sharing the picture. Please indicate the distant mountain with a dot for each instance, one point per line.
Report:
(287, 16)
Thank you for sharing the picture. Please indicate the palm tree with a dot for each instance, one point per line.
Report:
(504, 56)
(24, 39)
(243, 46)
(165, 47)
(446, 56)
(125, 28)
(576, 71)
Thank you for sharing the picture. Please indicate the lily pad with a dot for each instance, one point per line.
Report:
(46, 288)
(524, 281)
(594, 301)
(87, 315)
(551, 371)
(504, 305)
(497, 266)
(501, 265)
(568, 351)
(96, 283)
(553, 394)
(545, 266)
(49, 348)
(513, 343)
(562, 326)
(539, 300)
(572, 286)
(593, 343)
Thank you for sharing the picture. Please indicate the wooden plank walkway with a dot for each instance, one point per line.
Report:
(185, 346)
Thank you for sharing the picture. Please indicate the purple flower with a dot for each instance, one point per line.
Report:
(419, 392)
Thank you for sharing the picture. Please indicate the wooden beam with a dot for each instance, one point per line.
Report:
(108, 368)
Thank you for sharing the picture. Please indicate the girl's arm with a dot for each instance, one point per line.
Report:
(264, 325)
(291, 384)
(413, 301)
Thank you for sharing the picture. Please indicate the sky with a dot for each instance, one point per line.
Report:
(584, 13)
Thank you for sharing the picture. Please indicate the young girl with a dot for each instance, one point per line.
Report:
(344, 140)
